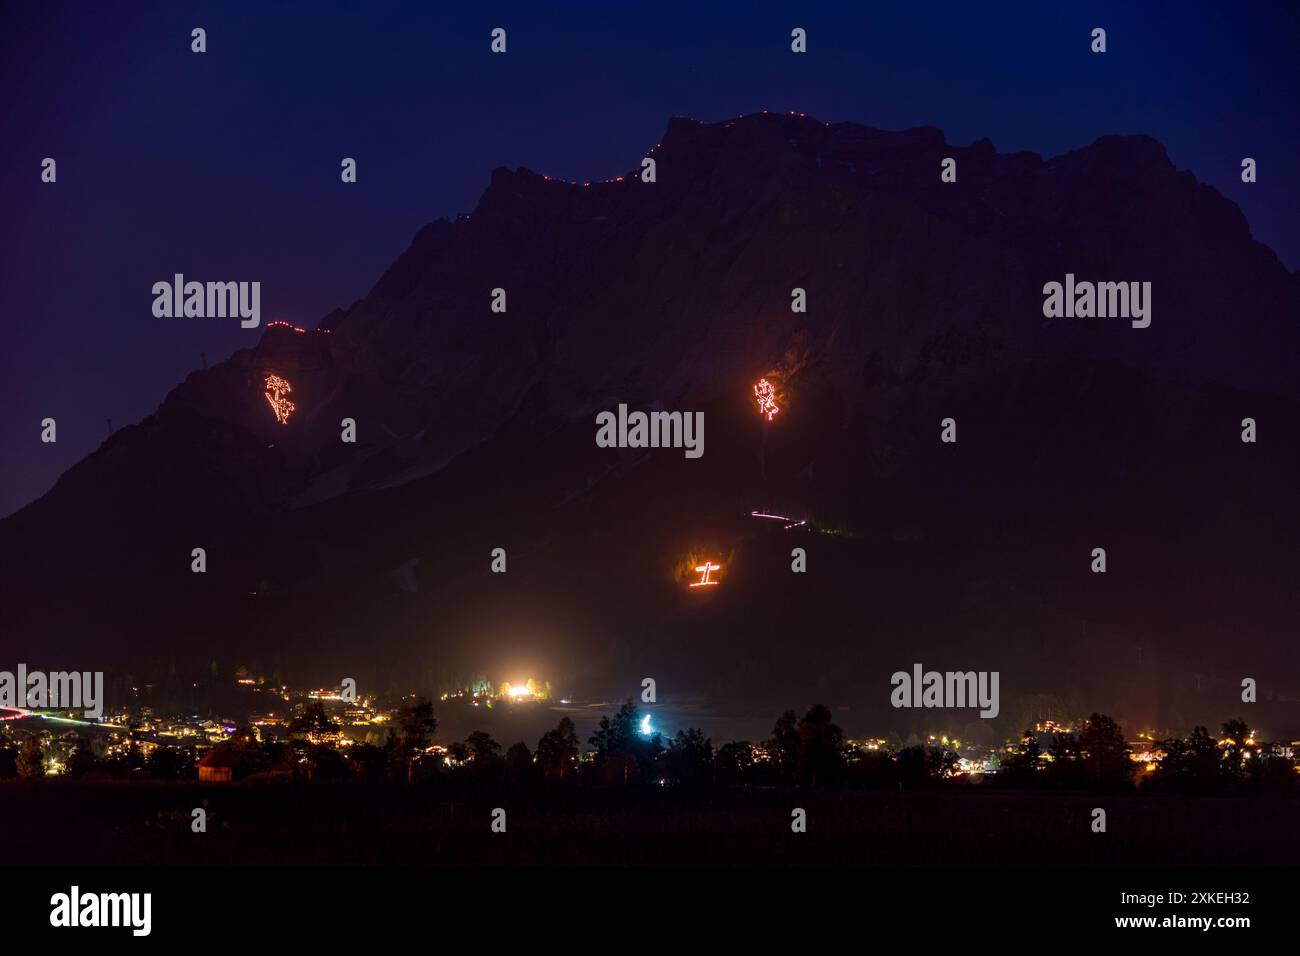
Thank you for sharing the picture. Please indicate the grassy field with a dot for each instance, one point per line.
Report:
(67, 823)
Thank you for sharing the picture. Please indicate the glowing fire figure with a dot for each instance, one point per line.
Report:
(276, 389)
(766, 395)
(705, 569)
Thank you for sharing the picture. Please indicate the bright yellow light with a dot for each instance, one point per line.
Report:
(528, 690)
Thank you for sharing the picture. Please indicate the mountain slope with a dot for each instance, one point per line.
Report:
(924, 301)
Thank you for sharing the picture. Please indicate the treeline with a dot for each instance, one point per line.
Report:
(802, 751)
(1200, 764)
(28, 760)
(1098, 757)
(807, 751)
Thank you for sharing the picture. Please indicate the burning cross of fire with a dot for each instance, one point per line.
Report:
(704, 570)
(276, 388)
(766, 396)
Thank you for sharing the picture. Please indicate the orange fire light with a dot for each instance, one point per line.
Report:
(766, 395)
(276, 389)
(705, 569)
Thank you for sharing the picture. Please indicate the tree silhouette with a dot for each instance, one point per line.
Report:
(921, 766)
(1235, 733)
(129, 763)
(519, 761)
(368, 761)
(167, 763)
(941, 763)
(31, 759)
(873, 768)
(913, 766)
(1020, 769)
(624, 754)
(1191, 764)
(323, 762)
(783, 747)
(311, 720)
(82, 760)
(821, 748)
(417, 725)
(1065, 765)
(1271, 769)
(689, 757)
(8, 762)
(557, 751)
(1107, 760)
(483, 750)
(735, 761)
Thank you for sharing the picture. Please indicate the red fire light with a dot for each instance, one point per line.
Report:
(705, 569)
(276, 389)
(765, 392)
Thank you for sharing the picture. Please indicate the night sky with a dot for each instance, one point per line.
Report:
(225, 166)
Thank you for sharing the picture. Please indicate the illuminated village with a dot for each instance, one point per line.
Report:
(356, 487)
(272, 730)
(269, 730)
(321, 733)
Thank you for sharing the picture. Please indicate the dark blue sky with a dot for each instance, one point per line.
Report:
(225, 165)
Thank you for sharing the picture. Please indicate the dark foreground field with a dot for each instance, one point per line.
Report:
(71, 824)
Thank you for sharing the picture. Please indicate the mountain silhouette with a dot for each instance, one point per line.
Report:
(475, 430)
